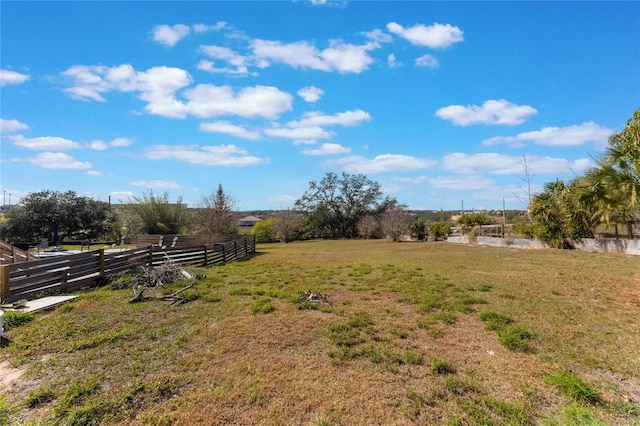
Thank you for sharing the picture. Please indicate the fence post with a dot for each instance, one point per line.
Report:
(224, 254)
(4, 282)
(150, 256)
(101, 261)
(64, 274)
(206, 252)
(235, 249)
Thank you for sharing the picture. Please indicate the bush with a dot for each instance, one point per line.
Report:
(440, 230)
(264, 231)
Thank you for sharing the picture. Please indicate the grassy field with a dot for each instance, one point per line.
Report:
(417, 333)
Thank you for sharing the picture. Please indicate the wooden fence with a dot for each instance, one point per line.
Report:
(61, 273)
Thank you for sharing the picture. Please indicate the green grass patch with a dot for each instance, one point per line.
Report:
(13, 319)
(494, 320)
(40, 396)
(574, 387)
(262, 305)
(441, 367)
(516, 338)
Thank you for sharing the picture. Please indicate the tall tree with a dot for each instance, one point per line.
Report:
(57, 216)
(613, 186)
(395, 222)
(215, 213)
(157, 214)
(336, 203)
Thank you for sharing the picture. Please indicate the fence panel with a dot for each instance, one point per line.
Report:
(58, 273)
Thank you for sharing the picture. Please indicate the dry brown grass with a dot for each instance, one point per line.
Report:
(212, 361)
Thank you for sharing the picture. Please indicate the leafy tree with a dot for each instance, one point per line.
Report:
(440, 230)
(287, 225)
(613, 186)
(214, 214)
(157, 215)
(68, 215)
(560, 216)
(475, 219)
(418, 229)
(394, 222)
(336, 204)
(264, 231)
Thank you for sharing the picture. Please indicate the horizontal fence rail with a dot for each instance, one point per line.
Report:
(24, 280)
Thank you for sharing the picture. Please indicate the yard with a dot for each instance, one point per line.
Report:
(416, 333)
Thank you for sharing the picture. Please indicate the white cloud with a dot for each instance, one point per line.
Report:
(210, 66)
(158, 86)
(94, 173)
(156, 184)
(574, 135)
(207, 100)
(98, 145)
(122, 196)
(318, 2)
(203, 28)
(44, 143)
(229, 129)
(169, 36)
(378, 36)
(310, 94)
(381, 164)
(57, 161)
(327, 149)
(8, 77)
(347, 118)
(392, 61)
(11, 126)
(224, 53)
(434, 36)
(502, 164)
(89, 82)
(222, 155)
(427, 61)
(491, 112)
(310, 128)
(341, 57)
(120, 142)
(302, 134)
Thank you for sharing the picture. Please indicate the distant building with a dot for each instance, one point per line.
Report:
(248, 222)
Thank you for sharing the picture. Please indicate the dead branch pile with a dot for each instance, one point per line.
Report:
(315, 298)
(175, 298)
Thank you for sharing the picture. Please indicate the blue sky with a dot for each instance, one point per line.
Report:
(440, 102)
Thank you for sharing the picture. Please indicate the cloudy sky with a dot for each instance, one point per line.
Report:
(440, 102)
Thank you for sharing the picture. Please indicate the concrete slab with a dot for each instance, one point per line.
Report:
(44, 303)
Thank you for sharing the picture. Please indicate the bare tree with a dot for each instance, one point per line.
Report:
(214, 215)
(527, 178)
(395, 222)
(368, 227)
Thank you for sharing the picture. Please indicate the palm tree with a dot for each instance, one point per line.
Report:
(560, 216)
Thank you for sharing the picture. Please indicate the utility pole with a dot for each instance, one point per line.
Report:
(504, 217)
(4, 195)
